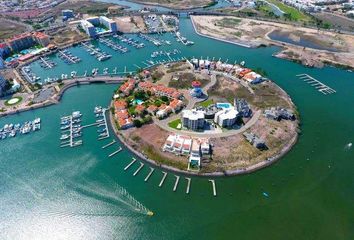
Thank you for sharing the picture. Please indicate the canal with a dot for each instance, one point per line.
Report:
(49, 192)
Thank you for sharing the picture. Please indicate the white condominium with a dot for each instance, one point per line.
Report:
(226, 117)
(193, 119)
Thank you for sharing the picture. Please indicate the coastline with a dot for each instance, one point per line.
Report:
(55, 99)
(219, 39)
(234, 172)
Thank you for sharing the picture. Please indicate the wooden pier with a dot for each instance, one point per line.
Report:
(188, 185)
(176, 183)
(214, 186)
(319, 86)
(163, 178)
(131, 163)
(114, 153)
(139, 168)
(149, 175)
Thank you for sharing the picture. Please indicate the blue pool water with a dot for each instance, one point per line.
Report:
(224, 105)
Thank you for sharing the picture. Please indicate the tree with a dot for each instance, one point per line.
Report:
(137, 123)
(164, 98)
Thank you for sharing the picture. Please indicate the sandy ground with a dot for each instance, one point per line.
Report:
(129, 24)
(255, 33)
(177, 4)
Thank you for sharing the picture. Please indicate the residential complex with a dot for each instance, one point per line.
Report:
(185, 145)
(193, 119)
(226, 118)
(94, 26)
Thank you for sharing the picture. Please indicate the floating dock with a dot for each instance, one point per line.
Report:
(109, 144)
(114, 153)
(214, 186)
(139, 168)
(176, 183)
(319, 86)
(149, 175)
(131, 163)
(163, 178)
(188, 185)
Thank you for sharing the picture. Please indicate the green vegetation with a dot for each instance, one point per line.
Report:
(228, 22)
(206, 103)
(174, 124)
(291, 13)
(137, 123)
(13, 101)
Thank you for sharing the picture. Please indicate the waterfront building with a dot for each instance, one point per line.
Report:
(120, 105)
(20, 42)
(3, 85)
(41, 38)
(195, 156)
(90, 25)
(204, 145)
(4, 50)
(187, 145)
(160, 90)
(252, 78)
(125, 123)
(226, 117)
(168, 146)
(255, 140)
(279, 114)
(193, 119)
(242, 107)
(89, 28)
(127, 87)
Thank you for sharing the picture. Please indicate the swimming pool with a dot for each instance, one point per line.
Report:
(224, 105)
(138, 101)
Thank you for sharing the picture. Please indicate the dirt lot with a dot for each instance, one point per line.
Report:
(255, 33)
(345, 23)
(67, 35)
(149, 140)
(10, 28)
(129, 24)
(177, 4)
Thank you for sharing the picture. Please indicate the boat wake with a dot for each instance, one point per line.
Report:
(348, 146)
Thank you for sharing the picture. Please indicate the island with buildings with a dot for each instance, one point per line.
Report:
(204, 117)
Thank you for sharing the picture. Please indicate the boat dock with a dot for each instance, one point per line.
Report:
(109, 144)
(130, 41)
(139, 168)
(182, 39)
(102, 122)
(188, 184)
(149, 174)
(163, 178)
(176, 183)
(131, 163)
(67, 57)
(319, 86)
(115, 46)
(214, 186)
(153, 40)
(98, 53)
(115, 152)
(46, 63)
(72, 125)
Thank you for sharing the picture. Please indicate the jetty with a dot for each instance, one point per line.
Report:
(67, 57)
(214, 186)
(319, 86)
(176, 183)
(149, 174)
(46, 63)
(115, 46)
(188, 184)
(163, 178)
(129, 165)
(115, 152)
(109, 144)
(139, 168)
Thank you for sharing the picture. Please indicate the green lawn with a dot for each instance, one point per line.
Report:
(295, 14)
(174, 123)
(206, 103)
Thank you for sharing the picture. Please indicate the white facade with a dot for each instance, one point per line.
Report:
(193, 119)
(226, 117)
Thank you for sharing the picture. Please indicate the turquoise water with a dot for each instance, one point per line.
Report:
(49, 192)
(224, 105)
